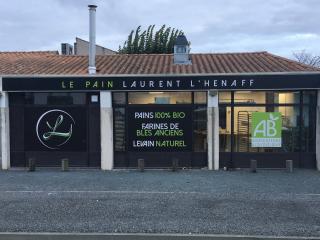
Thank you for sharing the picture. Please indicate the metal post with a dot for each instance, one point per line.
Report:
(32, 164)
(230, 164)
(92, 39)
(65, 164)
(141, 164)
(289, 166)
(253, 166)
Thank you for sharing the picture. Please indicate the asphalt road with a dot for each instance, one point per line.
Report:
(198, 202)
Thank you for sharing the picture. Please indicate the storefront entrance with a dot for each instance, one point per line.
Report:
(297, 109)
(51, 126)
(158, 127)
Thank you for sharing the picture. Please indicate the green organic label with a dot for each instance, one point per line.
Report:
(266, 129)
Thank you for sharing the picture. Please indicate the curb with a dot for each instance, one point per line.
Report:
(140, 236)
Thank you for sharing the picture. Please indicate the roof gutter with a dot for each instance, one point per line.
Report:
(163, 75)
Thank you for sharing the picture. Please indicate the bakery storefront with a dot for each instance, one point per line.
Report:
(158, 126)
(297, 118)
(204, 121)
(50, 126)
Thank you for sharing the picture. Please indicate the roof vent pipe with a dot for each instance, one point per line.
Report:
(92, 39)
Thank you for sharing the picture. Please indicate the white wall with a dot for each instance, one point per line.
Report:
(4, 130)
(106, 122)
(213, 130)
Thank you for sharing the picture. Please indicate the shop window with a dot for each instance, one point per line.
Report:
(200, 97)
(297, 131)
(308, 133)
(119, 98)
(59, 100)
(55, 98)
(290, 129)
(200, 129)
(310, 97)
(286, 97)
(242, 128)
(250, 97)
(270, 97)
(159, 98)
(28, 98)
(224, 97)
(225, 128)
(119, 129)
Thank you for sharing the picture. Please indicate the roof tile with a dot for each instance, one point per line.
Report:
(50, 63)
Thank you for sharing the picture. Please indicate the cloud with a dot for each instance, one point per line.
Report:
(278, 26)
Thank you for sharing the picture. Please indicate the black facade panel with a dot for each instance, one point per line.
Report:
(120, 160)
(268, 160)
(308, 160)
(83, 150)
(265, 160)
(53, 159)
(224, 159)
(18, 159)
(94, 128)
(160, 159)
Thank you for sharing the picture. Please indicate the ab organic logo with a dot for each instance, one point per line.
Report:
(54, 128)
(266, 129)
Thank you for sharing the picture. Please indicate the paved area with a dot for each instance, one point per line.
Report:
(267, 203)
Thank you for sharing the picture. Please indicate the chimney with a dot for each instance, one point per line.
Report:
(66, 49)
(181, 51)
(92, 39)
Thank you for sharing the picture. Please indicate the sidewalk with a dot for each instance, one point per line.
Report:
(270, 203)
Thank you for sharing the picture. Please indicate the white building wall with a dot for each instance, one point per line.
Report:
(4, 130)
(213, 130)
(81, 47)
(106, 122)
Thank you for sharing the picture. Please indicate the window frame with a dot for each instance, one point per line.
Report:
(192, 104)
(300, 106)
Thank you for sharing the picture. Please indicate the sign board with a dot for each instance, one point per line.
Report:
(160, 128)
(266, 129)
(160, 83)
(54, 129)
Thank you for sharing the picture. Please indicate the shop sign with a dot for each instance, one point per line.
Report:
(54, 133)
(165, 82)
(55, 129)
(160, 128)
(266, 129)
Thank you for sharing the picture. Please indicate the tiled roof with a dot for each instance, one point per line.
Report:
(29, 53)
(50, 63)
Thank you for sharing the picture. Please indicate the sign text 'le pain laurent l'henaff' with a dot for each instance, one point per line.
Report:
(129, 84)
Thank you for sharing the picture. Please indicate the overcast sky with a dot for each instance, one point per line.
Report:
(277, 26)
